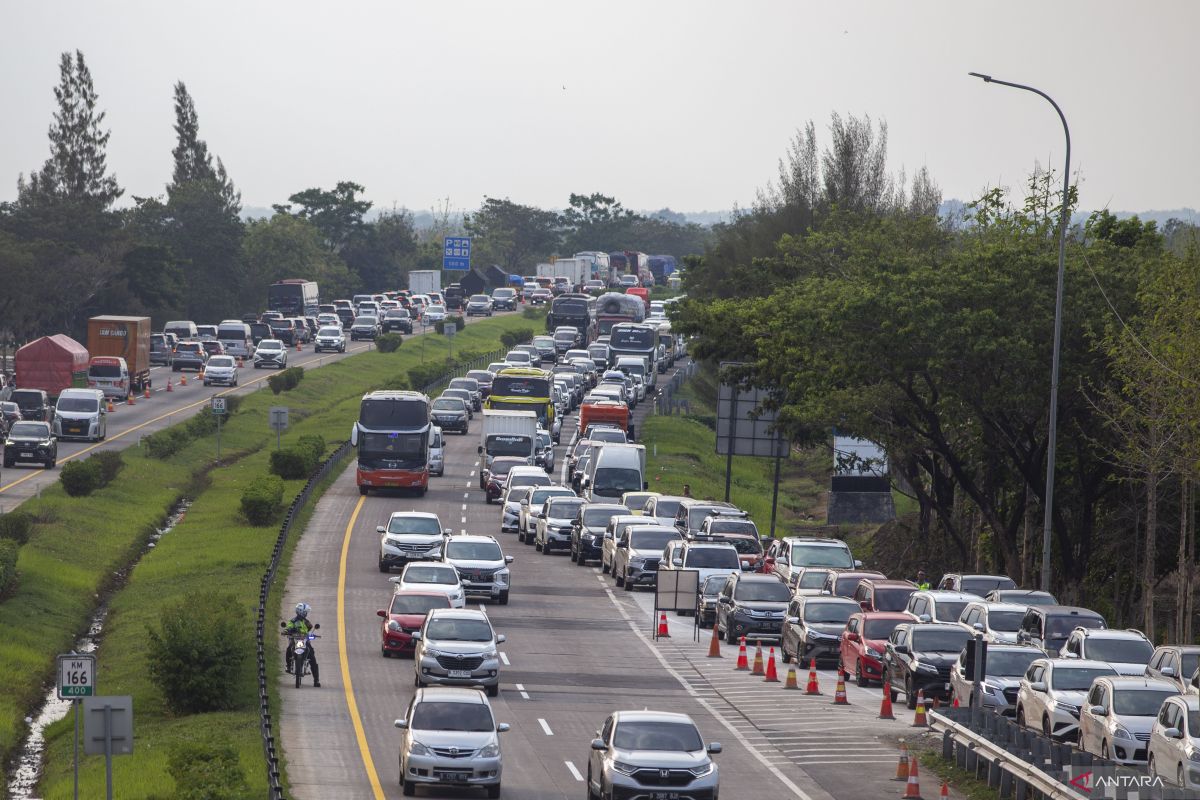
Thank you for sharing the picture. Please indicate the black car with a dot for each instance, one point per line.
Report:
(346, 315)
(282, 330)
(30, 443)
(504, 299)
(918, 658)
(752, 606)
(34, 404)
(397, 319)
(454, 295)
(814, 627)
(587, 530)
(189, 355)
(10, 412)
(259, 331)
(706, 600)
(450, 414)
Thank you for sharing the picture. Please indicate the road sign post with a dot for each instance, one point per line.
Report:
(76, 680)
(219, 410)
(456, 253)
(449, 329)
(108, 730)
(278, 417)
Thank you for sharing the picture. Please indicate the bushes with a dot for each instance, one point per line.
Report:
(299, 460)
(534, 312)
(197, 655)
(16, 526)
(170, 441)
(8, 562)
(389, 342)
(110, 464)
(519, 336)
(261, 499)
(81, 478)
(207, 770)
(421, 376)
(287, 380)
(440, 325)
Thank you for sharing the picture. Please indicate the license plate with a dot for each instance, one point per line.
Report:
(664, 795)
(460, 673)
(25, 455)
(947, 687)
(456, 777)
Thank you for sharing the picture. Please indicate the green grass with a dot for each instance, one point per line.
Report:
(71, 557)
(935, 769)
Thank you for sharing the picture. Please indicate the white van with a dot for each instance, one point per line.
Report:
(80, 414)
(613, 470)
(437, 452)
(182, 328)
(234, 335)
(636, 365)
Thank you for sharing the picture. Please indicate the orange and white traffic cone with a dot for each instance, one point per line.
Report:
(912, 789)
(663, 633)
(772, 676)
(111, 408)
(919, 720)
(182, 379)
(714, 645)
(129, 400)
(839, 694)
(791, 682)
(945, 791)
(758, 660)
(146, 392)
(170, 388)
(885, 708)
(743, 664)
(812, 687)
(902, 764)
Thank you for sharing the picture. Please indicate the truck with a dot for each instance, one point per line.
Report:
(661, 267)
(424, 281)
(294, 297)
(575, 270)
(544, 270)
(123, 337)
(53, 363)
(573, 310)
(597, 264)
(613, 308)
(508, 433)
(609, 411)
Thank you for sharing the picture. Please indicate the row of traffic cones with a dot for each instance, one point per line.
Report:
(908, 770)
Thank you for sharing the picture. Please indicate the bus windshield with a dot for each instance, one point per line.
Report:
(393, 413)
(522, 386)
(632, 338)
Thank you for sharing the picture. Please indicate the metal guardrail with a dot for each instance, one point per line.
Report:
(461, 369)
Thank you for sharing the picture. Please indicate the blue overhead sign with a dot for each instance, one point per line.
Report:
(456, 254)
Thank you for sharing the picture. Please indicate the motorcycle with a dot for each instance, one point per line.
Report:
(299, 645)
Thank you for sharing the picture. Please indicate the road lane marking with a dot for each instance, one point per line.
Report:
(520, 687)
(464, 508)
(545, 727)
(574, 771)
(472, 475)
(504, 658)
(464, 520)
(352, 705)
(467, 495)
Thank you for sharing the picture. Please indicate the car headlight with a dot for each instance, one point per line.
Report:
(873, 653)
(623, 768)
(637, 562)
(502, 576)
(703, 769)
(490, 751)
(1122, 733)
(486, 654)
(993, 688)
(418, 749)
(815, 636)
(1067, 707)
(1194, 756)
(927, 668)
(9, 443)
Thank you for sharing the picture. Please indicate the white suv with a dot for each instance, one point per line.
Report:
(410, 536)
(1052, 694)
(482, 566)
(1127, 651)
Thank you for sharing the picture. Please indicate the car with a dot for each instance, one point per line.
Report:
(30, 442)
(540, 296)
(327, 319)
(741, 533)
(34, 405)
(484, 379)
(450, 738)
(707, 600)
(1003, 668)
(864, 641)
(510, 507)
(10, 412)
(479, 305)
(450, 414)
(410, 536)
(435, 313)
(638, 749)
(1176, 663)
(544, 457)
(258, 332)
(704, 558)
(874, 594)
(431, 576)
(628, 281)
(271, 353)
(1049, 627)
(917, 660)
(206, 333)
(364, 327)
(301, 332)
(554, 522)
(998, 622)
(330, 338)
(465, 395)
(1052, 694)
(189, 354)
(469, 385)
(282, 329)
(587, 530)
(1116, 717)
(663, 508)
(612, 533)
(751, 607)
(637, 552)
(545, 348)
(1174, 747)
(1024, 597)
(938, 605)
(843, 583)
(396, 320)
(403, 617)
(213, 348)
(1128, 651)
(482, 566)
(975, 584)
(160, 350)
(531, 504)
(634, 501)
(437, 452)
(518, 358)
(519, 477)
(504, 299)
(792, 552)
(808, 581)
(594, 287)
(692, 512)
(221, 370)
(491, 478)
(812, 627)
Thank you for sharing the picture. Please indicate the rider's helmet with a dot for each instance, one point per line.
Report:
(302, 610)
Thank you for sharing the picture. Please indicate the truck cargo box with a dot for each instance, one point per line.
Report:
(52, 363)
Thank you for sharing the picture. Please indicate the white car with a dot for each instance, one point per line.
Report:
(939, 606)
(1052, 694)
(331, 338)
(518, 358)
(435, 313)
(998, 622)
(410, 536)
(706, 559)
(482, 566)
(531, 507)
(221, 369)
(432, 577)
(270, 353)
(1175, 742)
(510, 507)
(1117, 716)
(1127, 651)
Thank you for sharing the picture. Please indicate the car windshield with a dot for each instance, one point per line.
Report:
(563, 509)
(648, 735)
(1007, 621)
(599, 517)
(611, 479)
(742, 526)
(1124, 651)
(812, 579)
(763, 592)
(541, 479)
(426, 526)
(821, 555)
(28, 429)
(1140, 702)
(418, 603)
(666, 508)
(892, 599)
(503, 294)
(1191, 662)
(745, 545)
(105, 370)
(270, 344)
(950, 640)
(364, 320)
(478, 298)
(1061, 627)
(1077, 679)
(448, 404)
(541, 495)
(500, 467)
(949, 610)
(982, 584)
(711, 558)
(474, 551)
(331, 333)
(482, 376)
(651, 540)
(829, 613)
(880, 629)
(1010, 663)
(78, 404)
(220, 361)
(443, 716)
(422, 574)
(713, 586)
(459, 630)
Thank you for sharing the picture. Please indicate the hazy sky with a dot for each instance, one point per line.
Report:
(680, 104)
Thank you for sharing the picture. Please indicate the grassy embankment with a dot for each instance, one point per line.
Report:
(81, 542)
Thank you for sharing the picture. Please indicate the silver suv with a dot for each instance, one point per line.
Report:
(449, 739)
(1128, 651)
(652, 754)
(482, 566)
(410, 536)
(457, 647)
(1052, 694)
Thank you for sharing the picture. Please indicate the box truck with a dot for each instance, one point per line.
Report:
(508, 433)
(424, 281)
(111, 337)
(51, 364)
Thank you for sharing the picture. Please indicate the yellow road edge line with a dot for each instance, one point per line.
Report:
(343, 659)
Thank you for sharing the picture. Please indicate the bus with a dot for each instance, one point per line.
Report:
(392, 437)
(613, 307)
(626, 339)
(524, 389)
(294, 297)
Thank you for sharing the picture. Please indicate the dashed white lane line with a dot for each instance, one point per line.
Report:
(464, 520)
(574, 771)
(464, 531)
(472, 475)
(545, 727)
(520, 687)
(464, 507)
(504, 658)
(467, 495)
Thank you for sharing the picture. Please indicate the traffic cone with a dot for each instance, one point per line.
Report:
(772, 676)
(839, 694)
(902, 764)
(791, 682)
(129, 400)
(955, 703)
(146, 392)
(912, 790)
(945, 792)
(742, 663)
(182, 379)
(758, 660)
(714, 645)
(885, 708)
(919, 719)
(170, 388)
(663, 633)
(812, 687)
(110, 408)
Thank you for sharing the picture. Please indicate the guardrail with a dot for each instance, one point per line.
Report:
(665, 402)
(461, 369)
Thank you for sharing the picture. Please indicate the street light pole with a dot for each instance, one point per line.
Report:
(1052, 444)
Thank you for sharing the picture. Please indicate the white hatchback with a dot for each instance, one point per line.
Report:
(427, 577)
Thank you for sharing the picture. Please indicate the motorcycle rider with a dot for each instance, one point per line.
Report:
(296, 627)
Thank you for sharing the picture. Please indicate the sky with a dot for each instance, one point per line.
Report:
(687, 105)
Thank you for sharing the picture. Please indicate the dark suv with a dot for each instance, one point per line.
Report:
(1049, 627)
(30, 442)
(34, 404)
(189, 355)
(753, 606)
(814, 627)
(874, 594)
(919, 657)
(396, 319)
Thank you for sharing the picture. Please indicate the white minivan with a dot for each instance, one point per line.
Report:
(437, 452)
(613, 470)
(81, 414)
(234, 335)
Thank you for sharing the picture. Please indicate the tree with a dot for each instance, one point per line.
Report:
(511, 235)
(337, 213)
(287, 246)
(382, 253)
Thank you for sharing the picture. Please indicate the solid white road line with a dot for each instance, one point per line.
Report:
(545, 727)
(574, 771)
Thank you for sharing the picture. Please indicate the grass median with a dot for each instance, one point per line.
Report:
(80, 543)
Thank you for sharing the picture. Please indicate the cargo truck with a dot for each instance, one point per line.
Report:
(53, 363)
(508, 433)
(575, 270)
(424, 281)
(128, 338)
(597, 264)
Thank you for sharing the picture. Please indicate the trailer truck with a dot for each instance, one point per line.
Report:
(424, 281)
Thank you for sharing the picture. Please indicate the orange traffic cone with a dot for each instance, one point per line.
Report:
(742, 663)
(714, 645)
(110, 409)
(758, 660)
(912, 790)
(885, 708)
(182, 379)
(919, 720)
(839, 694)
(146, 392)
(812, 687)
(663, 633)
(945, 792)
(129, 400)
(955, 703)
(170, 388)
(772, 676)
(902, 764)
(791, 682)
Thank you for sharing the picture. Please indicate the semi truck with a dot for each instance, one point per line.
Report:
(112, 337)
(597, 264)
(424, 281)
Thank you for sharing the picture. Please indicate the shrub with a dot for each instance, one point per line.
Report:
(423, 375)
(8, 562)
(533, 312)
(287, 380)
(109, 462)
(440, 325)
(262, 498)
(314, 446)
(288, 464)
(197, 653)
(511, 339)
(389, 342)
(207, 770)
(80, 478)
(16, 526)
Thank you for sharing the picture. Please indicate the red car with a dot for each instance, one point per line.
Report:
(404, 618)
(863, 643)
(213, 348)
(493, 477)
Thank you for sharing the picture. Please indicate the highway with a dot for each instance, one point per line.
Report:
(576, 651)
